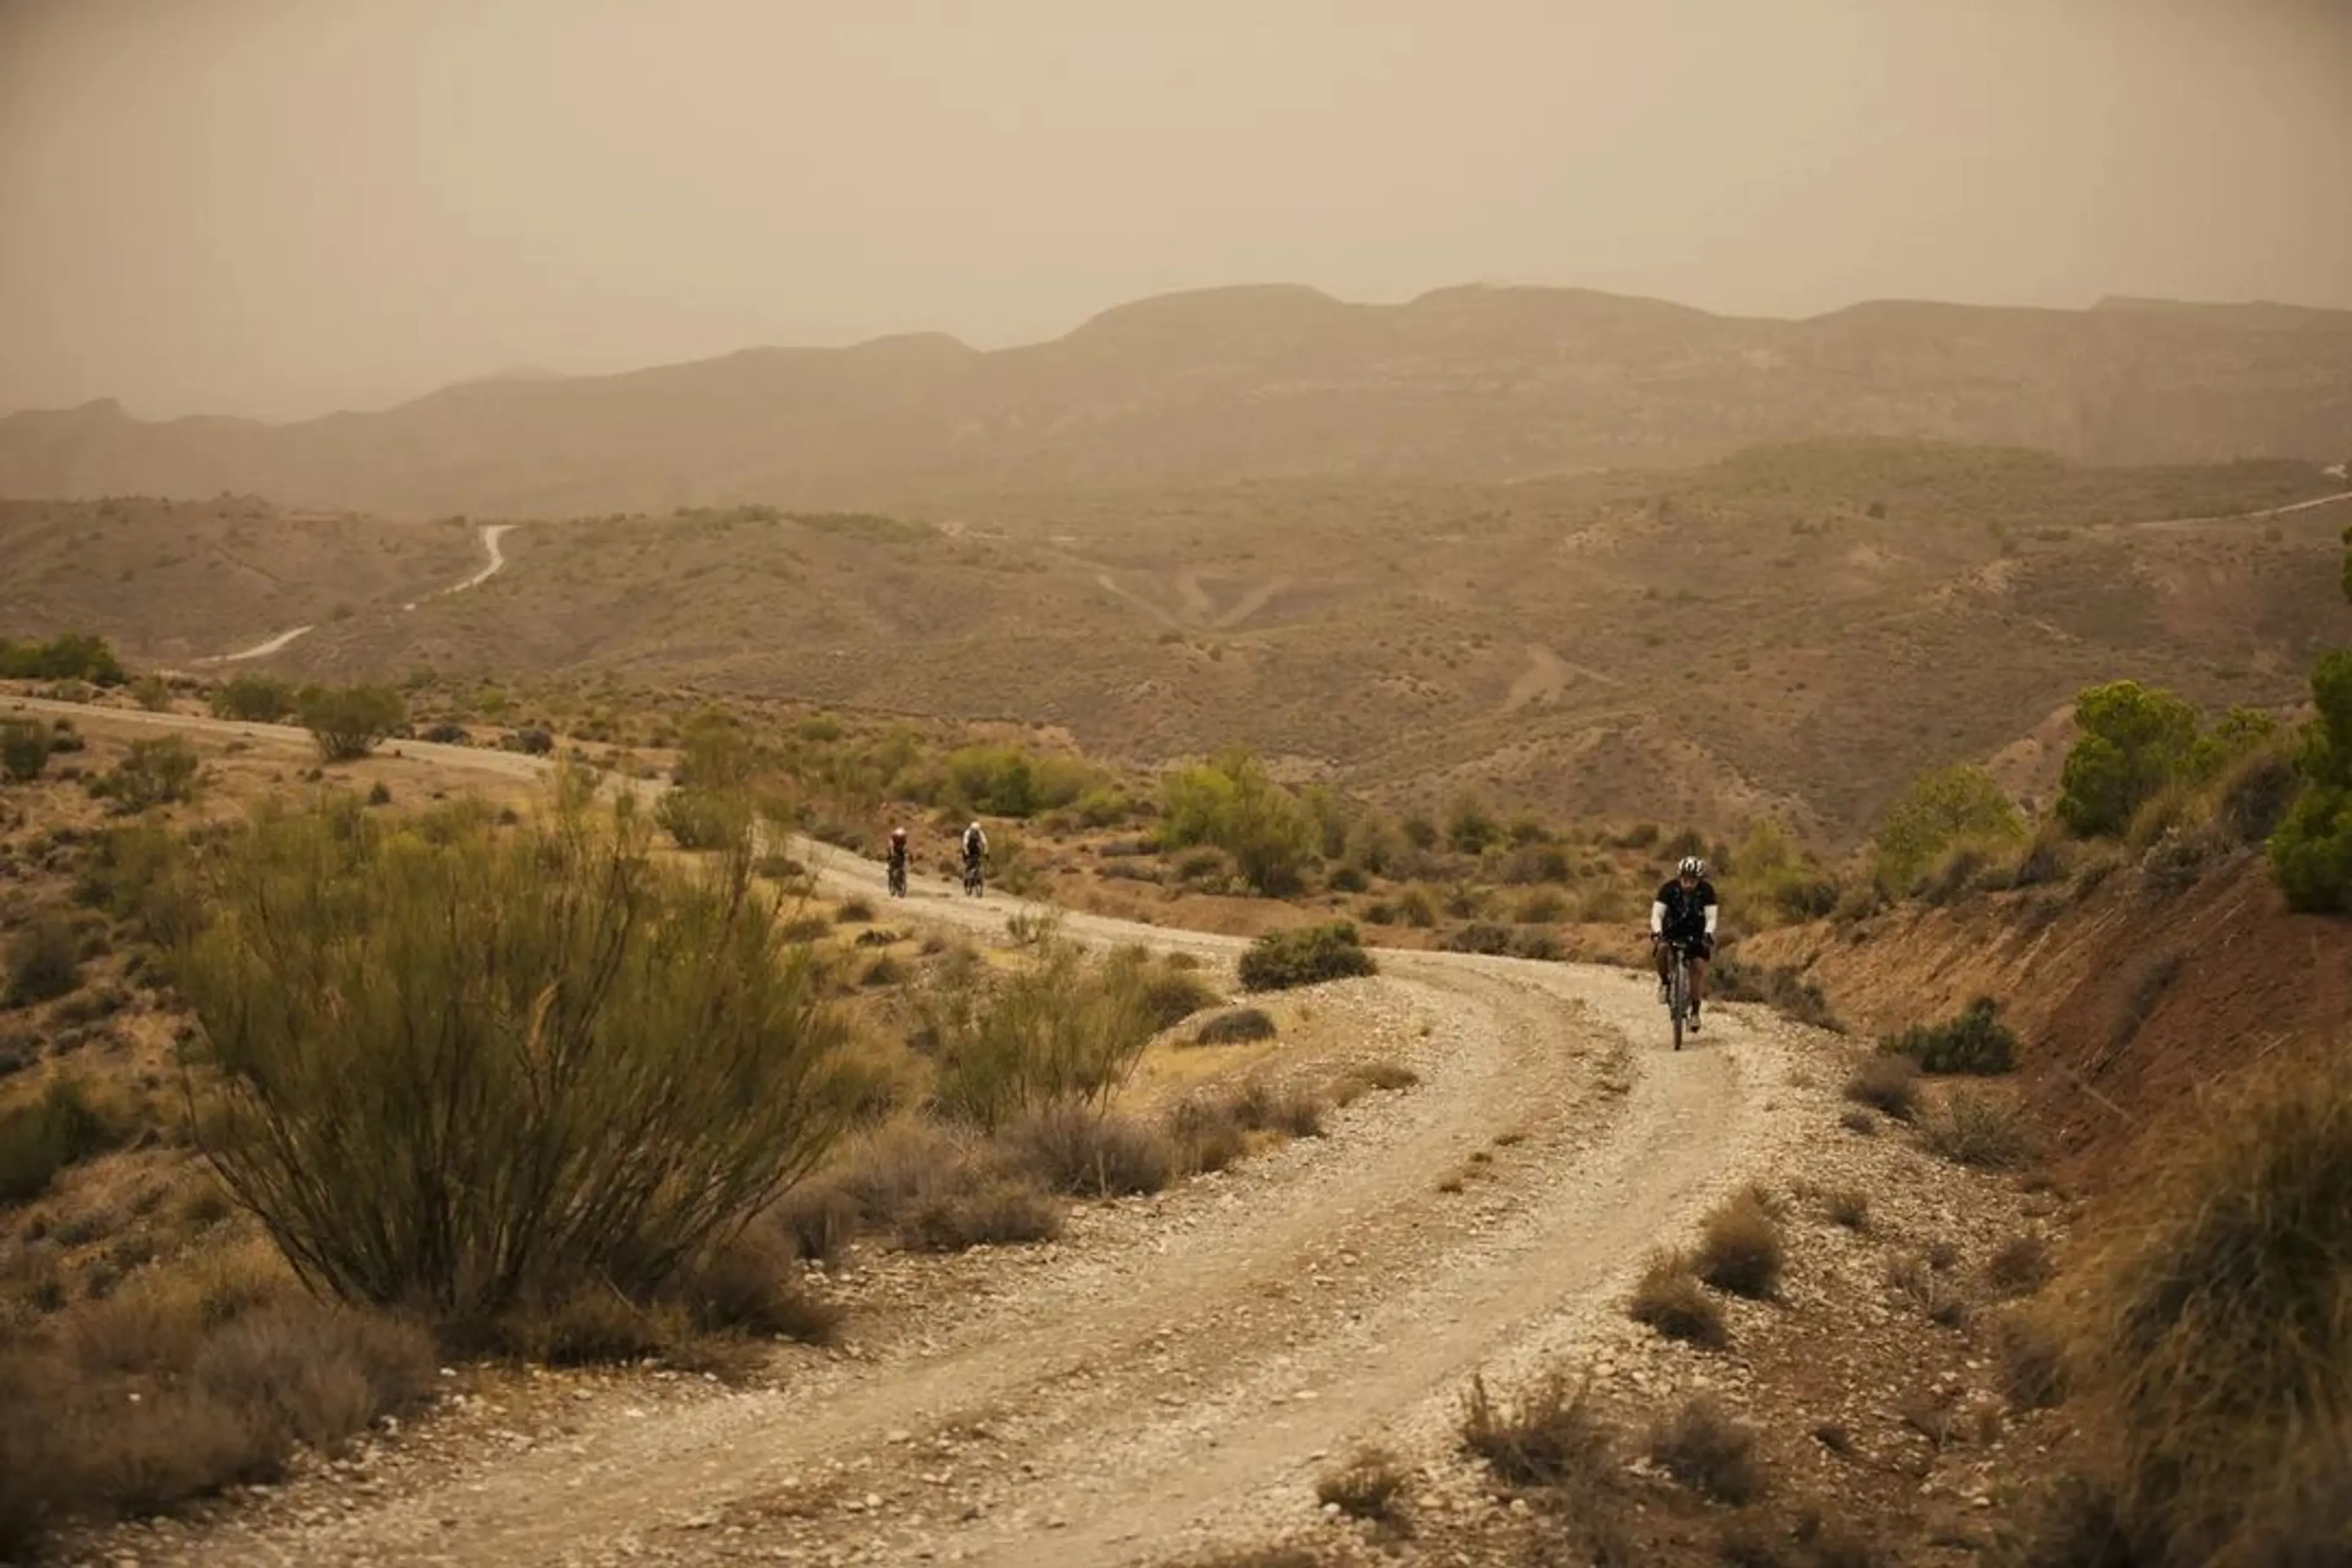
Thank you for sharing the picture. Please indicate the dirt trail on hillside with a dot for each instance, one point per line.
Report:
(262, 650)
(1179, 1370)
(494, 560)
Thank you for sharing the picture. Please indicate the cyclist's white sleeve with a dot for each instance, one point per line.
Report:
(1710, 919)
(1657, 917)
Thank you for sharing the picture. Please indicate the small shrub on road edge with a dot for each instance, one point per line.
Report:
(1671, 1300)
(1304, 956)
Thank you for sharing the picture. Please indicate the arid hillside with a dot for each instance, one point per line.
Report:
(202, 579)
(1794, 631)
(2130, 991)
(1264, 383)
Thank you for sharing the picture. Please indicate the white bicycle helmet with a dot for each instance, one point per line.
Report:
(1692, 865)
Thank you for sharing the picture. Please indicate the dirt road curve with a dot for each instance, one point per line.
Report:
(1178, 1372)
(494, 560)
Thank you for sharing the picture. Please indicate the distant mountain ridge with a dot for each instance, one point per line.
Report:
(1261, 382)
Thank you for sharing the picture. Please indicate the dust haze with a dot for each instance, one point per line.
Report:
(282, 208)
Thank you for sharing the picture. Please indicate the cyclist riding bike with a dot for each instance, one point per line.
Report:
(898, 862)
(1683, 915)
(975, 849)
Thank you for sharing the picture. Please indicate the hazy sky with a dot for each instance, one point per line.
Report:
(283, 206)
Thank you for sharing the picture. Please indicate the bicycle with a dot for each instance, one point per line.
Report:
(971, 878)
(897, 879)
(1679, 988)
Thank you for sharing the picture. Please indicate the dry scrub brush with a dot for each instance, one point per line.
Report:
(2214, 1329)
(1552, 1435)
(1065, 1029)
(183, 1382)
(1369, 1485)
(1977, 1131)
(1704, 1448)
(1670, 1299)
(1887, 1083)
(1740, 1249)
(463, 1068)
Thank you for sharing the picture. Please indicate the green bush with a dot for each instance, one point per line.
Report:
(74, 656)
(1973, 1041)
(1937, 811)
(1010, 781)
(1771, 873)
(1303, 956)
(158, 771)
(135, 872)
(1171, 996)
(471, 1068)
(1479, 936)
(710, 802)
(1238, 1026)
(1103, 807)
(699, 819)
(23, 751)
(1064, 1030)
(69, 1122)
(2236, 736)
(2311, 853)
(1536, 944)
(1232, 803)
(348, 720)
(44, 961)
(252, 700)
(1471, 827)
(2133, 741)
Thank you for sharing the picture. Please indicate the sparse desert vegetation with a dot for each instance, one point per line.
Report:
(1672, 1299)
(723, 1106)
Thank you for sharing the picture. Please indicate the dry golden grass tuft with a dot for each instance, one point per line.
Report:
(1671, 1300)
(2021, 1265)
(1371, 1485)
(1371, 1077)
(1087, 1152)
(1928, 1289)
(1886, 1083)
(1704, 1448)
(1978, 1130)
(1553, 1434)
(998, 1210)
(183, 1382)
(1207, 1133)
(2213, 1326)
(1740, 1248)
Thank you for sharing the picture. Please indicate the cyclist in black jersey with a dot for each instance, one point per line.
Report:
(1683, 913)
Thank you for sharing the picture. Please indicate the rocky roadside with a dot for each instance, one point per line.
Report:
(1874, 1381)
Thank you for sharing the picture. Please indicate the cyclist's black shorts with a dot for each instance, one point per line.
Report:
(1698, 944)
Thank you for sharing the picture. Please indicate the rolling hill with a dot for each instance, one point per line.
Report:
(1207, 388)
(1797, 629)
